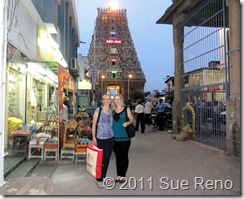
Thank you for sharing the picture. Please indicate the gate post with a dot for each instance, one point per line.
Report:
(233, 109)
(178, 33)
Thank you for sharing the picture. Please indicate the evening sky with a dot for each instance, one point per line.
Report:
(153, 42)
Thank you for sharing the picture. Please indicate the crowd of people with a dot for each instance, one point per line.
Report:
(143, 113)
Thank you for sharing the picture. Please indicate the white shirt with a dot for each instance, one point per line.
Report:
(148, 108)
(139, 109)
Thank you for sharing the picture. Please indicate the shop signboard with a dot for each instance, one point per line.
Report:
(217, 87)
(53, 66)
(84, 85)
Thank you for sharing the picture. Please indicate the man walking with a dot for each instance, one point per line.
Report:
(160, 114)
(148, 112)
(139, 110)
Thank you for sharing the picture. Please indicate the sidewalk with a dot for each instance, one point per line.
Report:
(158, 165)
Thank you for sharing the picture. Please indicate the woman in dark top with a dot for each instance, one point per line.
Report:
(121, 140)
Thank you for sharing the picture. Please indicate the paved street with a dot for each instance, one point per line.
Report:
(159, 165)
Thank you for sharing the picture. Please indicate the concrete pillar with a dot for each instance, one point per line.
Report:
(178, 70)
(233, 125)
(3, 44)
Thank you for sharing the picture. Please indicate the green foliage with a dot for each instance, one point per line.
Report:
(138, 95)
(147, 93)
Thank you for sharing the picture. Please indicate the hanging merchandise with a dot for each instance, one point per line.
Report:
(14, 87)
(33, 98)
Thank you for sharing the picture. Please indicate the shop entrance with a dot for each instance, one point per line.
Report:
(113, 90)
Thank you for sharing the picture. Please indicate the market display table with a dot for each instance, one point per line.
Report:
(36, 151)
(67, 154)
(20, 144)
(20, 141)
(51, 151)
(80, 157)
(80, 150)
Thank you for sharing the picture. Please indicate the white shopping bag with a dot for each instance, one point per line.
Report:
(94, 158)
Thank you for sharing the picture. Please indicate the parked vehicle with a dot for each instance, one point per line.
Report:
(167, 117)
(153, 119)
(166, 104)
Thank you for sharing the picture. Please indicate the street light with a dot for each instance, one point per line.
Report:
(103, 77)
(129, 77)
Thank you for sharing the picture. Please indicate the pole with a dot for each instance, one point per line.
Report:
(3, 54)
(129, 76)
(94, 64)
(93, 94)
(102, 86)
(128, 88)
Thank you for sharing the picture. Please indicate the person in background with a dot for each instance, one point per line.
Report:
(121, 141)
(80, 108)
(139, 110)
(148, 111)
(160, 114)
(102, 134)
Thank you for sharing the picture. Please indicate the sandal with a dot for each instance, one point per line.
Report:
(100, 184)
(120, 180)
(117, 179)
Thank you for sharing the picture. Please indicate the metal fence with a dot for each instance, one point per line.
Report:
(204, 75)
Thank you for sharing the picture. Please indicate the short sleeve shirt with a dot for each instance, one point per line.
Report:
(139, 109)
(104, 128)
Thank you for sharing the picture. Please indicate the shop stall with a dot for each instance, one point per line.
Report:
(66, 101)
(43, 121)
(31, 106)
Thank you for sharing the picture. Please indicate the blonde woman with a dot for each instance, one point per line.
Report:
(102, 134)
(121, 140)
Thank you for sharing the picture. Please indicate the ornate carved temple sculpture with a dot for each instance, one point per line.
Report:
(113, 61)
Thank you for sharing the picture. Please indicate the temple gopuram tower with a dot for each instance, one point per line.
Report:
(113, 56)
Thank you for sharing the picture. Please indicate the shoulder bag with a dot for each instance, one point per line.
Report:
(130, 129)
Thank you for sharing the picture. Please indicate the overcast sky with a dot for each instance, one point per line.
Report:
(153, 42)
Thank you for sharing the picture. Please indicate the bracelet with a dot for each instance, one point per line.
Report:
(129, 122)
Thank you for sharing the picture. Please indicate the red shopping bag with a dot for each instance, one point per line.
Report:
(94, 158)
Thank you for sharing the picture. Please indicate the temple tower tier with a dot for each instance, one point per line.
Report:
(113, 57)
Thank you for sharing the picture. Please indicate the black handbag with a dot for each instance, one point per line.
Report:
(130, 129)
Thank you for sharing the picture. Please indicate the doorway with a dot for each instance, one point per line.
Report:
(113, 90)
